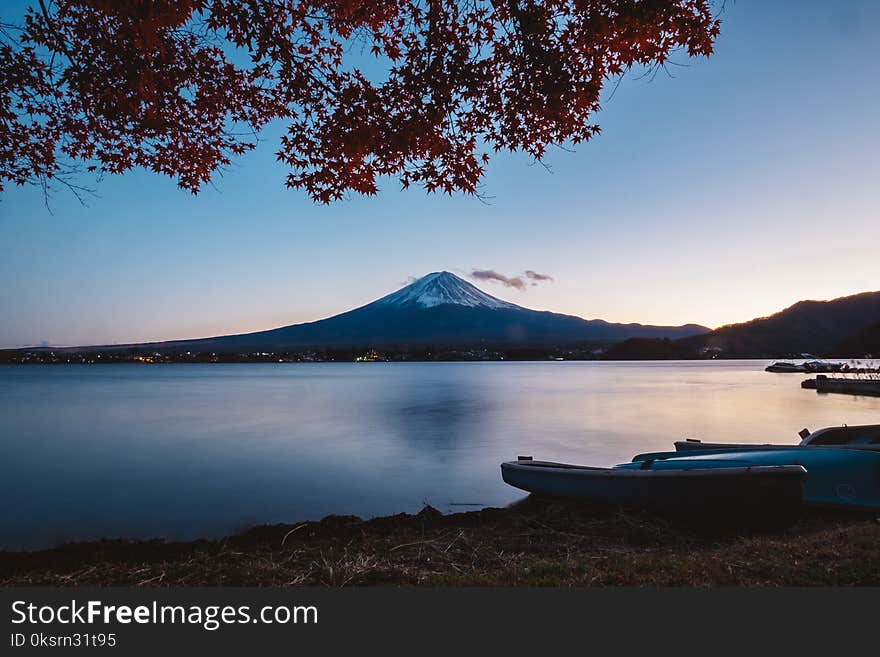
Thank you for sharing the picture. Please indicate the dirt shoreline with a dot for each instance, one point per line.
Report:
(532, 543)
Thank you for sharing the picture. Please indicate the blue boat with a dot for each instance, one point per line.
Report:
(841, 477)
(718, 491)
(857, 436)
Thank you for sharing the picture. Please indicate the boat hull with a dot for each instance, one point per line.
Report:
(785, 369)
(702, 493)
(836, 477)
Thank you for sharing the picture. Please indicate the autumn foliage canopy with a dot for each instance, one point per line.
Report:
(421, 90)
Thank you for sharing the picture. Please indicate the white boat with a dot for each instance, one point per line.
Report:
(812, 366)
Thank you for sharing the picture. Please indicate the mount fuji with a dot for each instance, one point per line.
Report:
(439, 309)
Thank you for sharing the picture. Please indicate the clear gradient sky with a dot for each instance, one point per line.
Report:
(748, 181)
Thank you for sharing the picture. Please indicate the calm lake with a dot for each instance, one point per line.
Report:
(185, 451)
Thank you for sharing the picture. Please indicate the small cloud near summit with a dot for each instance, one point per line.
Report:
(528, 277)
(492, 275)
(536, 277)
(529, 273)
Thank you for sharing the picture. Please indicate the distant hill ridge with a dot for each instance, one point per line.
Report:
(816, 327)
(847, 327)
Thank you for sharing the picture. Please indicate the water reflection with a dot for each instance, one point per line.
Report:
(438, 418)
(201, 450)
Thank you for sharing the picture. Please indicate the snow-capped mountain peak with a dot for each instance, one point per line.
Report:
(439, 288)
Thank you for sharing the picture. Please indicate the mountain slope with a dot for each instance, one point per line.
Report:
(861, 343)
(441, 288)
(815, 327)
(437, 309)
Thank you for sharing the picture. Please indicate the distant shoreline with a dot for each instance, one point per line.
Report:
(222, 361)
(227, 361)
(607, 353)
(70, 357)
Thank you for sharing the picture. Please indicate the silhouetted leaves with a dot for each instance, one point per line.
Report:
(179, 87)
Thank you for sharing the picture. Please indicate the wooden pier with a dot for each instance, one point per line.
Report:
(823, 384)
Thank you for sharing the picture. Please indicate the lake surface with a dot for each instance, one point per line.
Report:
(185, 451)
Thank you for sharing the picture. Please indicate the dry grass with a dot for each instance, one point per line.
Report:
(534, 543)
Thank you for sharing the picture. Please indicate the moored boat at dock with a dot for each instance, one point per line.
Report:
(785, 367)
(812, 366)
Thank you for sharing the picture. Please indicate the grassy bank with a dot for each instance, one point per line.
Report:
(533, 543)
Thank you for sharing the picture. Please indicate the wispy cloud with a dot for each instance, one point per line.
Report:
(492, 275)
(536, 277)
(519, 282)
